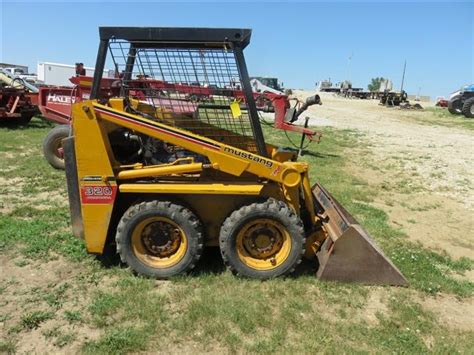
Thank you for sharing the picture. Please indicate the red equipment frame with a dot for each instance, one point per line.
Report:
(17, 104)
(55, 102)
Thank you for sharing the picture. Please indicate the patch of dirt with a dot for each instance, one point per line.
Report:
(432, 150)
(12, 184)
(366, 313)
(44, 200)
(9, 188)
(466, 276)
(191, 347)
(28, 288)
(422, 164)
(451, 312)
(375, 305)
(447, 228)
(8, 155)
(10, 168)
(439, 223)
(12, 195)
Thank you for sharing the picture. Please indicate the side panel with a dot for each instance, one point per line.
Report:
(73, 187)
(97, 185)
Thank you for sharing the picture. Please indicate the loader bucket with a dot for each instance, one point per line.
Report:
(349, 254)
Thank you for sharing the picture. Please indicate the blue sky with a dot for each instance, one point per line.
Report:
(300, 43)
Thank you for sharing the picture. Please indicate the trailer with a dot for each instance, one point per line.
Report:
(58, 74)
(357, 93)
(393, 98)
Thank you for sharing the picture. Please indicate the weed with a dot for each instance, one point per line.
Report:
(64, 339)
(120, 340)
(56, 297)
(59, 337)
(73, 316)
(7, 346)
(32, 320)
(21, 262)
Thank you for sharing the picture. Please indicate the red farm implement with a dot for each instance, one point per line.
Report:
(55, 105)
(18, 99)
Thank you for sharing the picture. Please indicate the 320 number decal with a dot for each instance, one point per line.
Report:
(98, 194)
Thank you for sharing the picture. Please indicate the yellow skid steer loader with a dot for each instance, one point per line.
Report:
(171, 158)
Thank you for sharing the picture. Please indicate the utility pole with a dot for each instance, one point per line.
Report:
(349, 66)
(403, 77)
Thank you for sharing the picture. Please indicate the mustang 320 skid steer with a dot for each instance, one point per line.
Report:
(174, 159)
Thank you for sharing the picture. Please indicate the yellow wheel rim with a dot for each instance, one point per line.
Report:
(263, 244)
(159, 242)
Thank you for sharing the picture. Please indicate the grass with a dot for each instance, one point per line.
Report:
(119, 340)
(34, 319)
(441, 117)
(211, 310)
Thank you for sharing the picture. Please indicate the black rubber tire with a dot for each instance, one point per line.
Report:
(455, 105)
(183, 217)
(50, 144)
(468, 108)
(271, 209)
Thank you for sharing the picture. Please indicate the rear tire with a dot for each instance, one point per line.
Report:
(262, 240)
(52, 143)
(455, 105)
(159, 239)
(468, 108)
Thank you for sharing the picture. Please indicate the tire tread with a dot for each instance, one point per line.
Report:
(269, 206)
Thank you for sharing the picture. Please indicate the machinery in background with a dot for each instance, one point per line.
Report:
(259, 87)
(20, 72)
(327, 86)
(392, 98)
(343, 89)
(18, 99)
(462, 102)
(166, 168)
(55, 102)
(441, 101)
(269, 82)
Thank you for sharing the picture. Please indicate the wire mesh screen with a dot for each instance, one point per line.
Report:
(196, 89)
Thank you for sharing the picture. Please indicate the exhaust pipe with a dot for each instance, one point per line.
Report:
(349, 254)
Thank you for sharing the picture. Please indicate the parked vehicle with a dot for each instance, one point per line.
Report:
(441, 101)
(462, 102)
(20, 73)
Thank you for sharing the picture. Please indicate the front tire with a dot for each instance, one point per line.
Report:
(52, 146)
(455, 105)
(468, 108)
(159, 239)
(262, 240)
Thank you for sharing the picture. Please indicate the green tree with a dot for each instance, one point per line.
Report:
(375, 84)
